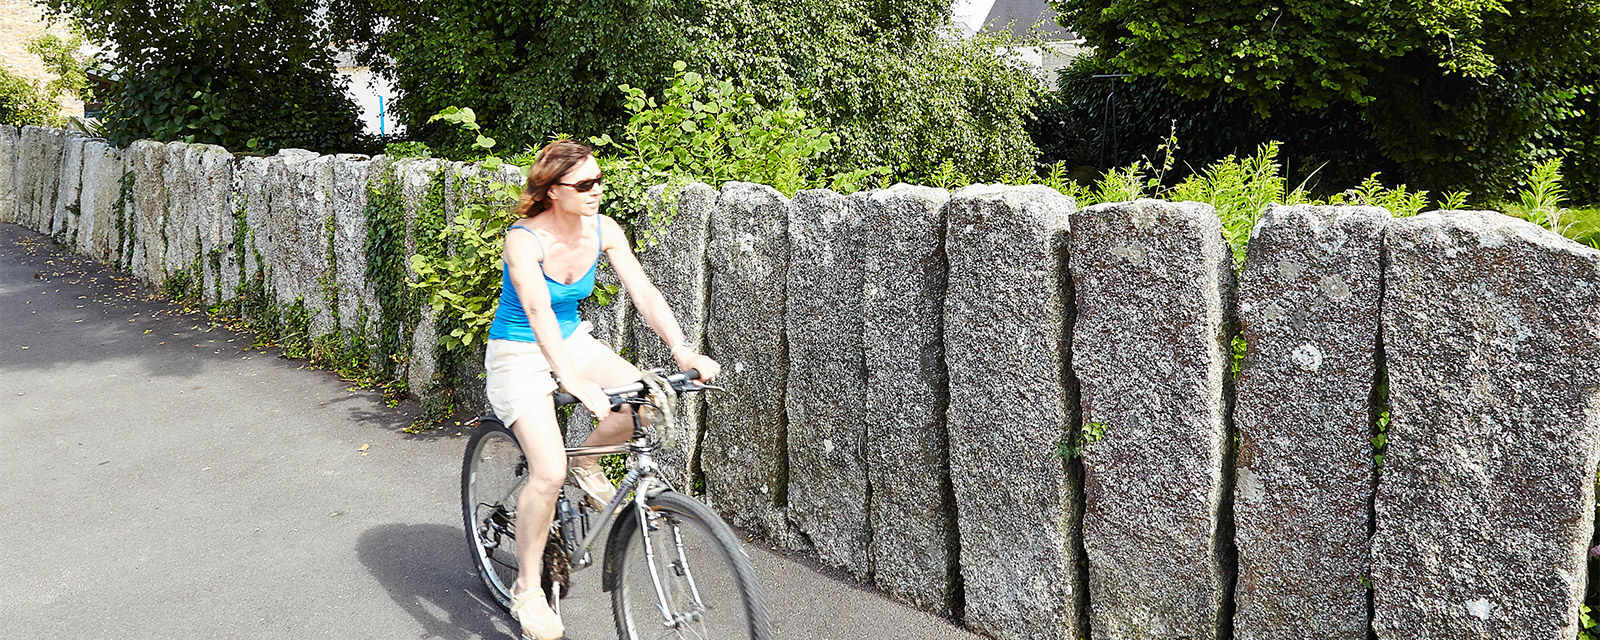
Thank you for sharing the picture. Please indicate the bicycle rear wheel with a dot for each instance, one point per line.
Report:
(491, 476)
(681, 574)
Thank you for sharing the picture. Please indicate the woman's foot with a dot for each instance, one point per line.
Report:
(592, 479)
(533, 612)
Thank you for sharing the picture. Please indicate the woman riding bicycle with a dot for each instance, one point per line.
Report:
(537, 343)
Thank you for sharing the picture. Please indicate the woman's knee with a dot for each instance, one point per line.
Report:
(545, 480)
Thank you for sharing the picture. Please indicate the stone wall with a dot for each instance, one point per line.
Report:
(995, 406)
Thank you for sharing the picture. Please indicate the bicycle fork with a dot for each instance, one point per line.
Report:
(680, 567)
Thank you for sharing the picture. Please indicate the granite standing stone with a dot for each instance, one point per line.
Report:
(1308, 308)
(300, 194)
(468, 384)
(211, 173)
(248, 245)
(1007, 334)
(10, 171)
(69, 183)
(357, 301)
(46, 178)
(609, 323)
(415, 177)
(827, 379)
(1485, 507)
(914, 539)
(180, 233)
(29, 147)
(1151, 349)
(745, 457)
(102, 188)
(147, 159)
(673, 252)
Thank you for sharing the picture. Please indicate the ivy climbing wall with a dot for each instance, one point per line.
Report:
(989, 403)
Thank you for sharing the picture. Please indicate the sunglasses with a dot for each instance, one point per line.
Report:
(584, 186)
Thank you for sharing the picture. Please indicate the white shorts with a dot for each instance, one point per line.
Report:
(518, 376)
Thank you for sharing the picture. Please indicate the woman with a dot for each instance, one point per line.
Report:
(537, 343)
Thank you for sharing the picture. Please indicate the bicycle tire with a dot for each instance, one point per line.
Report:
(718, 575)
(493, 454)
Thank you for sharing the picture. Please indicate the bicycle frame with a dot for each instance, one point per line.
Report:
(639, 481)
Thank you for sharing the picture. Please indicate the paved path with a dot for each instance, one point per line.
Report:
(158, 480)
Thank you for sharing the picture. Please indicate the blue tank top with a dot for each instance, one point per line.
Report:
(511, 321)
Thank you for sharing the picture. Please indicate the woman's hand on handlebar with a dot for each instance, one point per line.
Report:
(590, 394)
(687, 360)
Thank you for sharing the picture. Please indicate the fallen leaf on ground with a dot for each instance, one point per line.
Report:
(363, 447)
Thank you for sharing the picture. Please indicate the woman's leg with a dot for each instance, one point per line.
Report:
(609, 370)
(540, 439)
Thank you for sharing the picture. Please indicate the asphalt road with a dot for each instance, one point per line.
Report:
(158, 479)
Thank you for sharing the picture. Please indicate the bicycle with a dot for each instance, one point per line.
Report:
(672, 566)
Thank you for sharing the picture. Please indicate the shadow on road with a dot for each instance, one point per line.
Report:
(425, 569)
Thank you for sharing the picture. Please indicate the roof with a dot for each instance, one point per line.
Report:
(1015, 16)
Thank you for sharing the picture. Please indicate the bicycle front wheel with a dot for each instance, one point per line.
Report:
(676, 571)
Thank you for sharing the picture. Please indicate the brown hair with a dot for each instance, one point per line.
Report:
(553, 161)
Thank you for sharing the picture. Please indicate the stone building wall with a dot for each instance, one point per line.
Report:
(21, 21)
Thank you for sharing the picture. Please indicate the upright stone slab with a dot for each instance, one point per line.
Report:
(745, 460)
(468, 381)
(44, 147)
(356, 298)
(147, 160)
(30, 147)
(180, 234)
(9, 172)
(248, 244)
(827, 424)
(54, 158)
(210, 169)
(1007, 334)
(102, 188)
(300, 197)
(415, 178)
(1151, 349)
(1308, 308)
(1485, 507)
(610, 324)
(69, 181)
(672, 250)
(914, 539)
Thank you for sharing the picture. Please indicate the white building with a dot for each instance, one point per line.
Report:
(371, 93)
(1018, 17)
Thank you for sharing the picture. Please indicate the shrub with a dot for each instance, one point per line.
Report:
(23, 102)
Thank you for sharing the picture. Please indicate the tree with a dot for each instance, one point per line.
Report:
(1461, 93)
(61, 57)
(237, 73)
(876, 72)
(24, 102)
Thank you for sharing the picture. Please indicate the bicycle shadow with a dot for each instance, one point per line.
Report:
(424, 568)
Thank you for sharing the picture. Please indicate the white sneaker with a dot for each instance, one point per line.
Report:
(538, 621)
(592, 479)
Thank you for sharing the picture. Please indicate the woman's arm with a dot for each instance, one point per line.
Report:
(523, 256)
(649, 302)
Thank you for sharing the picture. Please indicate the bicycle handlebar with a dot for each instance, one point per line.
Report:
(677, 380)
